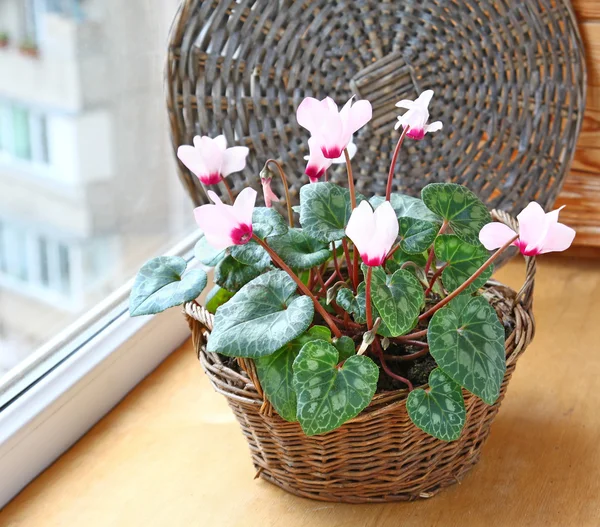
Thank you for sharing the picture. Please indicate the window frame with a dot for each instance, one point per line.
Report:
(58, 393)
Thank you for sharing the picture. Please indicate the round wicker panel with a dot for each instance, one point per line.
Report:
(377, 456)
(509, 80)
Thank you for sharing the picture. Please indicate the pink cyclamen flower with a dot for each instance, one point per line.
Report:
(332, 129)
(268, 193)
(417, 116)
(318, 163)
(227, 225)
(210, 159)
(373, 232)
(539, 232)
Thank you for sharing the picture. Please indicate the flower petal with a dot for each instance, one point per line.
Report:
(532, 225)
(360, 114)
(234, 159)
(361, 226)
(558, 238)
(434, 127)
(352, 148)
(192, 159)
(405, 103)
(317, 162)
(494, 235)
(309, 114)
(244, 206)
(217, 223)
(386, 229)
(220, 143)
(425, 98)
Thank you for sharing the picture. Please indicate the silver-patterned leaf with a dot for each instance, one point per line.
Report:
(407, 207)
(264, 315)
(417, 235)
(299, 250)
(161, 284)
(440, 409)
(329, 396)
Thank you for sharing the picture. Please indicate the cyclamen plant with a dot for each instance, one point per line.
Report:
(361, 285)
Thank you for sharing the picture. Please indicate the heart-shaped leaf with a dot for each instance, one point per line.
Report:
(216, 297)
(407, 207)
(264, 315)
(462, 260)
(357, 307)
(275, 372)
(463, 210)
(161, 284)
(398, 299)
(325, 210)
(417, 235)
(251, 253)
(345, 346)
(466, 339)
(232, 275)
(400, 257)
(299, 250)
(439, 410)
(206, 254)
(329, 396)
(268, 222)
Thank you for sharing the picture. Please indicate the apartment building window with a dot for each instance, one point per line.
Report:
(23, 133)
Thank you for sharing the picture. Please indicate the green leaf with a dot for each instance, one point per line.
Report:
(264, 315)
(251, 253)
(398, 299)
(400, 257)
(217, 297)
(357, 307)
(345, 346)
(463, 260)
(466, 339)
(328, 396)
(440, 410)
(299, 250)
(161, 284)
(275, 372)
(268, 222)
(206, 254)
(417, 235)
(233, 275)
(324, 211)
(463, 210)
(407, 207)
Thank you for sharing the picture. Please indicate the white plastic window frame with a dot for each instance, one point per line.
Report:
(67, 386)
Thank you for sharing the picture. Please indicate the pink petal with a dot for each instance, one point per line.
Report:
(386, 230)
(244, 206)
(361, 227)
(494, 235)
(532, 225)
(331, 137)
(217, 223)
(234, 160)
(192, 159)
(328, 104)
(405, 103)
(268, 193)
(220, 143)
(317, 162)
(558, 238)
(360, 114)
(309, 114)
(425, 98)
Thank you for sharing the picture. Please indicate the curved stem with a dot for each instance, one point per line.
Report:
(466, 284)
(434, 278)
(350, 179)
(228, 188)
(275, 257)
(349, 264)
(368, 298)
(286, 189)
(336, 264)
(388, 189)
(412, 336)
(386, 368)
(412, 356)
(431, 251)
(355, 268)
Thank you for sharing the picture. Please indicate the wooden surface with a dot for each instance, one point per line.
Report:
(171, 454)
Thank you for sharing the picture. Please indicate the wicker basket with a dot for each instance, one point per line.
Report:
(379, 455)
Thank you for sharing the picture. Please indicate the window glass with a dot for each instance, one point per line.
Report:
(88, 183)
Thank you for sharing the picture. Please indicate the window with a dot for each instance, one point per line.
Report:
(23, 133)
(88, 114)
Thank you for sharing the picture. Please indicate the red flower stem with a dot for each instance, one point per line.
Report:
(368, 298)
(412, 336)
(350, 179)
(286, 189)
(412, 356)
(388, 189)
(386, 368)
(349, 264)
(349, 323)
(466, 284)
(311, 279)
(319, 277)
(431, 251)
(275, 257)
(336, 264)
(228, 188)
(355, 267)
(392, 251)
(434, 278)
(329, 281)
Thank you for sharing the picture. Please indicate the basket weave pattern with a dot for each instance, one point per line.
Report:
(379, 455)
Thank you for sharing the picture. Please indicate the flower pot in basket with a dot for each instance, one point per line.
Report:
(363, 347)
